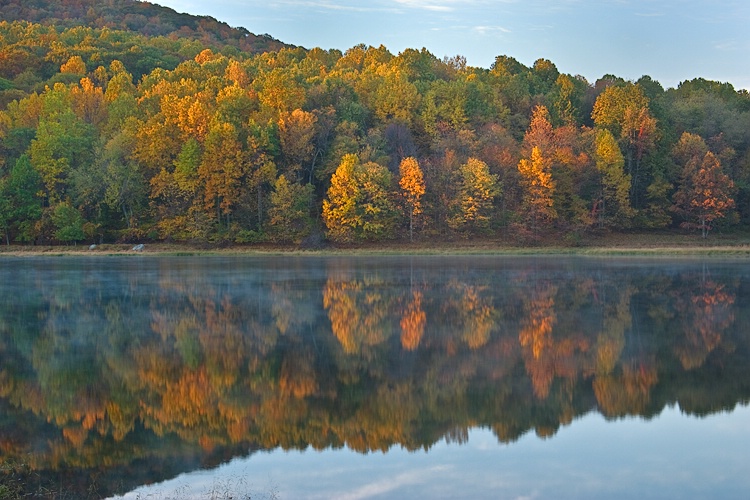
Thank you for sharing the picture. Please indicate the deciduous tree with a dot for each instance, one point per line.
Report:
(613, 206)
(296, 134)
(222, 168)
(412, 186)
(475, 200)
(358, 204)
(704, 194)
(289, 213)
(538, 190)
(68, 223)
(20, 205)
(624, 110)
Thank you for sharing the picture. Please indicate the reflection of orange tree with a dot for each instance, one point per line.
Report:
(223, 341)
(177, 398)
(705, 315)
(545, 356)
(536, 339)
(413, 320)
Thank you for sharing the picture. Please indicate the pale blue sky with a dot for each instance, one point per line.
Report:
(670, 40)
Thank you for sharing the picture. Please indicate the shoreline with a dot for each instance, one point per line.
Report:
(659, 247)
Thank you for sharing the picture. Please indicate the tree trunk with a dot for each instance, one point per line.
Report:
(411, 225)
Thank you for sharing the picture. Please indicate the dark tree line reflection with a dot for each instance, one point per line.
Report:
(138, 367)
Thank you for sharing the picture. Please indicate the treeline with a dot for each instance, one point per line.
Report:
(109, 135)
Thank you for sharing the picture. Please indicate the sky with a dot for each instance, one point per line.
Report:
(668, 40)
(671, 455)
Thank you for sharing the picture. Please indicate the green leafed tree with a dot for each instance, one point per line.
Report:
(63, 143)
(20, 205)
(613, 207)
(126, 189)
(289, 213)
(68, 223)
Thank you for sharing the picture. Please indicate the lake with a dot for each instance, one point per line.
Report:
(375, 377)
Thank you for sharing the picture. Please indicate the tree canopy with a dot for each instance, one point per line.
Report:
(156, 134)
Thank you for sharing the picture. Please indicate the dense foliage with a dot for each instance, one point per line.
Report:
(189, 134)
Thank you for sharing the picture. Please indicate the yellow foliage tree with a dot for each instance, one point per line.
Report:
(222, 168)
(296, 133)
(539, 188)
(74, 65)
(476, 195)
(358, 203)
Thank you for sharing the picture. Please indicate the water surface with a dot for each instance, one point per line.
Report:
(377, 377)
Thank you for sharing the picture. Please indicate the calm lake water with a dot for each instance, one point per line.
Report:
(375, 377)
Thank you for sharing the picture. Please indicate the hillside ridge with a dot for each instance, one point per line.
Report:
(146, 18)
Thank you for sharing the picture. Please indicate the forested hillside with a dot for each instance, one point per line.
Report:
(185, 130)
(143, 17)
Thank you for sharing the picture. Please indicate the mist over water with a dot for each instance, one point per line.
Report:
(374, 377)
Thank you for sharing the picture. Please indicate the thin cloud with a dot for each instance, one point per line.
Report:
(727, 45)
(445, 5)
(483, 30)
(335, 6)
(650, 14)
(430, 5)
(383, 486)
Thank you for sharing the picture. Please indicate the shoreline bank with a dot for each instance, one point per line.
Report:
(634, 247)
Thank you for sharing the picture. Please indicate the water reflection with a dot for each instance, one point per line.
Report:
(122, 371)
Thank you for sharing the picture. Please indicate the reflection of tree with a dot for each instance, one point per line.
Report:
(536, 338)
(611, 340)
(627, 392)
(412, 323)
(297, 377)
(358, 311)
(471, 311)
(705, 314)
(221, 365)
(621, 386)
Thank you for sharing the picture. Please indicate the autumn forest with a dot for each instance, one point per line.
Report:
(146, 127)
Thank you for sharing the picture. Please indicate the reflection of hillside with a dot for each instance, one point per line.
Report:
(98, 372)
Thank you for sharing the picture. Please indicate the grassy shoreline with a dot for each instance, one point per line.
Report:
(641, 244)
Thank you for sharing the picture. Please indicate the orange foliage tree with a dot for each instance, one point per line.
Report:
(412, 186)
(704, 194)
